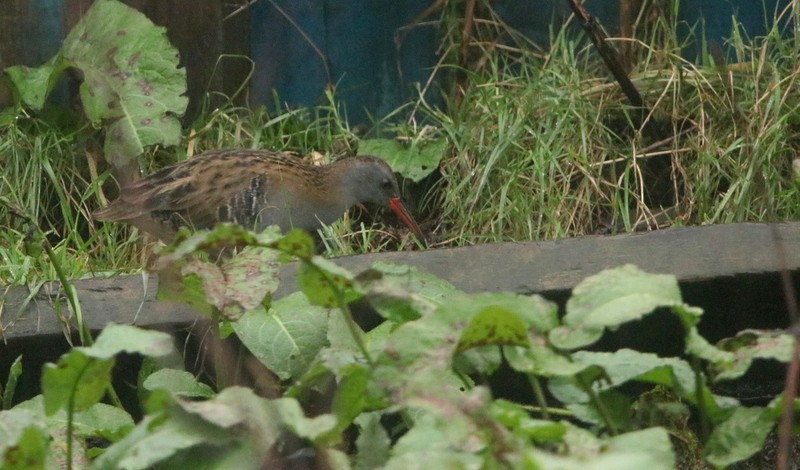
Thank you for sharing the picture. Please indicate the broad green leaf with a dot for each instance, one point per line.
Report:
(82, 376)
(115, 339)
(699, 347)
(402, 293)
(287, 337)
(110, 459)
(212, 281)
(654, 441)
(77, 380)
(748, 345)
(611, 370)
(324, 282)
(481, 360)
(151, 365)
(625, 364)
(229, 409)
(187, 288)
(154, 442)
(343, 350)
(236, 406)
(27, 451)
(33, 84)
(413, 279)
(514, 417)
(132, 82)
(296, 243)
(616, 410)
(351, 395)
(291, 415)
(239, 456)
(233, 420)
(428, 441)
(373, 442)
(537, 314)
(221, 236)
(23, 440)
(239, 284)
(445, 458)
(493, 325)
(540, 359)
(178, 382)
(739, 436)
(415, 161)
(611, 298)
(419, 354)
(99, 420)
(250, 276)
(646, 449)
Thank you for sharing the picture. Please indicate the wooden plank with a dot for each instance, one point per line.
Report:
(693, 254)
(122, 299)
(690, 253)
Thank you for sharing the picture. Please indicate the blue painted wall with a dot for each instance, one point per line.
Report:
(357, 52)
(353, 48)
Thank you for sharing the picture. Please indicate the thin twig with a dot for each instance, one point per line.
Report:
(793, 368)
(241, 8)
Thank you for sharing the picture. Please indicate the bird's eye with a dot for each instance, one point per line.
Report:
(386, 184)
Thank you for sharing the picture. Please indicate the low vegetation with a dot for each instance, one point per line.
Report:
(527, 145)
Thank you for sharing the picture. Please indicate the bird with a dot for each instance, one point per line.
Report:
(255, 189)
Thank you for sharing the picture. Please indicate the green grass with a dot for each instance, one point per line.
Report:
(539, 147)
(48, 191)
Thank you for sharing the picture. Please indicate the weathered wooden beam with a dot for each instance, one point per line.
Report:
(693, 254)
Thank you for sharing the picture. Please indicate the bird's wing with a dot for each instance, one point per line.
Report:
(195, 190)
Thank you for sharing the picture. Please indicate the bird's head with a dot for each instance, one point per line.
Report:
(371, 180)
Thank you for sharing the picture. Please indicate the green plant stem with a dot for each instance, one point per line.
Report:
(70, 425)
(464, 380)
(705, 425)
(539, 394)
(355, 330)
(11, 384)
(599, 406)
(71, 416)
(72, 296)
(83, 332)
(552, 411)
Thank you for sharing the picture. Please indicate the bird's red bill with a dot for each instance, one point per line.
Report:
(402, 213)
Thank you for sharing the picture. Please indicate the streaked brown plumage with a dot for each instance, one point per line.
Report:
(254, 188)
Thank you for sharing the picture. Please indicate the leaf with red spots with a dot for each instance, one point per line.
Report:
(132, 83)
(751, 345)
